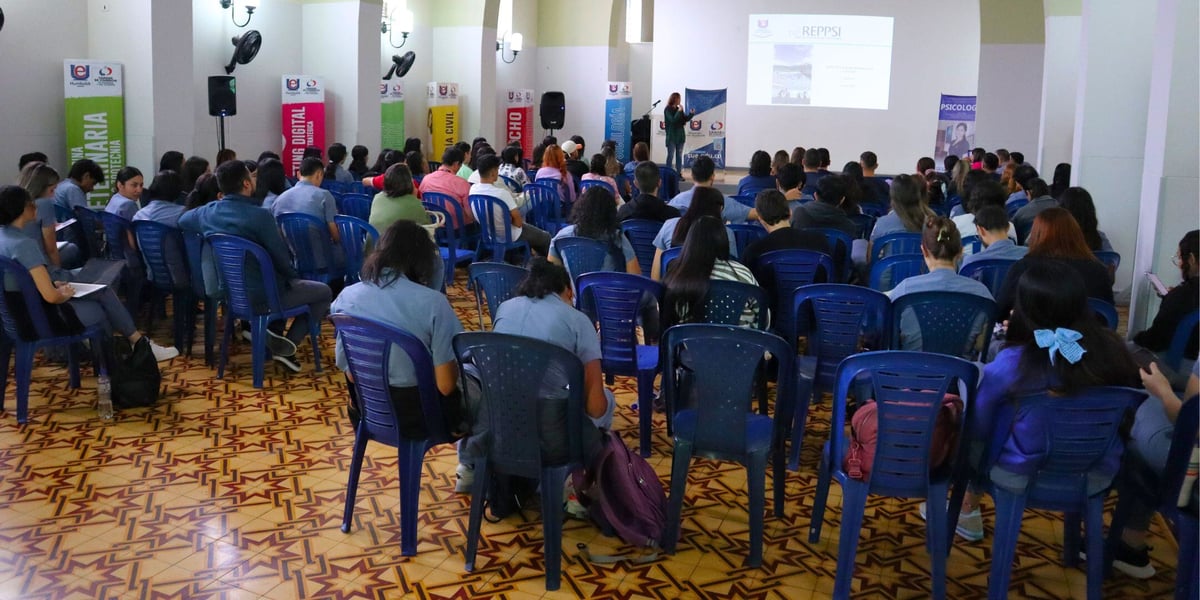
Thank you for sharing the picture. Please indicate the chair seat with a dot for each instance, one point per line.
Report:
(758, 429)
(460, 256)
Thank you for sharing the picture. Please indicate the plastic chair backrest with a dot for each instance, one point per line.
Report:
(1183, 439)
(581, 255)
(840, 246)
(720, 364)
(545, 206)
(449, 205)
(974, 242)
(989, 271)
(367, 346)
(36, 315)
(889, 271)
(356, 205)
(587, 183)
(950, 323)
(641, 234)
(1111, 259)
(863, 224)
(247, 274)
(510, 367)
(839, 320)
(668, 183)
(1184, 332)
(355, 233)
(62, 213)
(511, 184)
(745, 233)
(159, 243)
(614, 300)
(446, 236)
(786, 270)
(1012, 207)
(494, 282)
(1105, 311)
(727, 301)
(874, 210)
(486, 209)
(744, 200)
(433, 166)
(312, 246)
(668, 255)
(896, 243)
(117, 230)
(908, 389)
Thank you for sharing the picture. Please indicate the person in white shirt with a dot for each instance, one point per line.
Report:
(488, 168)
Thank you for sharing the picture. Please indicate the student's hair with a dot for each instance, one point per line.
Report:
(311, 166)
(398, 181)
(30, 157)
(536, 155)
(511, 155)
(544, 279)
(992, 218)
(166, 186)
(831, 189)
(1079, 203)
(271, 179)
(687, 279)
(852, 174)
(206, 189)
(172, 160)
(464, 147)
(1055, 234)
(772, 206)
(703, 168)
(488, 164)
(612, 167)
(36, 178)
(358, 159)
(1024, 174)
(550, 140)
(381, 162)
(1017, 157)
(1003, 155)
(125, 174)
(977, 155)
(825, 159)
(991, 162)
(13, 200)
(869, 160)
(337, 153)
(252, 165)
(578, 139)
(193, 168)
(983, 194)
(908, 202)
(265, 154)
(790, 176)
(452, 155)
(411, 144)
(555, 159)
(1061, 180)
(812, 158)
(1189, 245)
(760, 164)
(781, 158)
(706, 202)
(225, 155)
(415, 162)
(312, 152)
(646, 176)
(1006, 178)
(941, 239)
(478, 140)
(950, 162)
(479, 151)
(797, 157)
(924, 164)
(595, 214)
(641, 152)
(404, 249)
(972, 179)
(599, 165)
(1036, 188)
(86, 166)
(1052, 295)
(231, 176)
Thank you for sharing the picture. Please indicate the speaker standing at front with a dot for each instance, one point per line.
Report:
(222, 96)
(553, 110)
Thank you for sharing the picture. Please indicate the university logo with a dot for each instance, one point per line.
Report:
(383, 89)
(396, 89)
(695, 124)
(613, 88)
(763, 23)
(511, 96)
(717, 126)
(293, 84)
(80, 72)
(443, 90)
(106, 71)
(625, 88)
(662, 125)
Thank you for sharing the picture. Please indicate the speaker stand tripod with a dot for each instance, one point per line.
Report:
(221, 132)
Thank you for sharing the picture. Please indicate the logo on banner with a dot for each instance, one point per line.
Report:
(717, 126)
(293, 84)
(312, 83)
(397, 89)
(443, 90)
(613, 88)
(511, 96)
(662, 125)
(383, 89)
(763, 29)
(80, 72)
(106, 71)
(695, 124)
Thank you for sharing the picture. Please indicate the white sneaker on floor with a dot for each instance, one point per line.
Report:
(287, 361)
(465, 474)
(162, 353)
(970, 524)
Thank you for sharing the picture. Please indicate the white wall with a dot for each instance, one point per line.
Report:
(522, 74)
(702, 44)
(1060, 83)
(641, 75)
(1006, 115)
(174, 102)
(108, 20)
(581, 73)
(420, 42)
(334, 58)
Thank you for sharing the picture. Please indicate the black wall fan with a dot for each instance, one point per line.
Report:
(401, 64)
(245, 48)
(1, 18)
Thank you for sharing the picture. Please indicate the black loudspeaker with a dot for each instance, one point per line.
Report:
(222, 96)
(553, 110)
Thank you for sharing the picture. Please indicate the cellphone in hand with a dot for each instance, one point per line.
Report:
(1157, 283)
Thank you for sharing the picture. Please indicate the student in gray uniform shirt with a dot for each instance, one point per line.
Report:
(40, 180)
(158, 200)
(80, 181)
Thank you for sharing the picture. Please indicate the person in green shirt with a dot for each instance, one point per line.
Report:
(398, 202)
(465, 170)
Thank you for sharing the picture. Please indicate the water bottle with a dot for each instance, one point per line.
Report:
(104, 405)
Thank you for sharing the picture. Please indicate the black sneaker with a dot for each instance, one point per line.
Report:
(1128, 560)
(288, 362)
(280, 345)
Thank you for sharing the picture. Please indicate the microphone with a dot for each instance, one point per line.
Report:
(656, 103)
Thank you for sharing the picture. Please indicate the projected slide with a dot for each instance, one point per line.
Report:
(838, 61)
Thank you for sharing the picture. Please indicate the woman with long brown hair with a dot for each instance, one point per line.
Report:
(554, 166)
(1056, 236)
(909, 208)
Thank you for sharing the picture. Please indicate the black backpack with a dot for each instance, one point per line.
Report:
(134, 373)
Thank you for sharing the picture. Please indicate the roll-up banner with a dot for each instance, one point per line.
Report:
(618, 109)
(956, 127)
(391, 115)
(518, 119)
(705, 133)
(443, 116)
(303, 118)
(94, 103)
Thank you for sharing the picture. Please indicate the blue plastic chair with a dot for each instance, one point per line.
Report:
(746, 233)
(355, 233)
(991, 272)
(1013, 206)
(744, 200)
(449, 241)
(119, 246)
(908, 388)
(951, 323)
(889, 271)
(974, 242)
(838, 321)
(511, 184)
(87, 223)
(726, 302)
(356, 205)
(312, 247)
(668, 255)
(1105, 311)
(545, 207)
(614, 301)
(840, 246)
(1110, 259)
(873, 209)
(895, 243)
(34, 316)
(506, 365)
(252, 295)
(367, 346)
(499, 240)
(165, 258)
(783, 271)
(863, 224)
(668, 183)
(1080, 430)
(494, 283)
(457, 219)
(194, 246)
(1184, 332)
(581, 255)
(709, 371)
(587, 183)
(641, 234)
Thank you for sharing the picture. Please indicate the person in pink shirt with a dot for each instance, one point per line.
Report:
(445, 180)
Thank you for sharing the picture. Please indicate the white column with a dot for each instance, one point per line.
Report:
(174, 101)
(1060, 83)
(335, 38)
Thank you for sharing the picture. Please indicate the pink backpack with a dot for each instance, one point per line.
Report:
(864, 431)
(623, 495)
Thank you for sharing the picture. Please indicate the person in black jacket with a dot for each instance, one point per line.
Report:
(1178, 303)
(772, 208)
(1057, 237)
(647, 205)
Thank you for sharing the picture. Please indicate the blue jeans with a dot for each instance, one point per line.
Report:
(675, 151)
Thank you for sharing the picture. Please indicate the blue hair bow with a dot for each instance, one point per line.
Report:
(1061, 341)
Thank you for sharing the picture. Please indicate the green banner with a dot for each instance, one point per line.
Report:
(391, 98)
(95, 118)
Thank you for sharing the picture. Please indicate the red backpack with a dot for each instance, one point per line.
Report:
(864, 430)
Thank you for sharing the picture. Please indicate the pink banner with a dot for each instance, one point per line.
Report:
(518, 119)
(303, 119)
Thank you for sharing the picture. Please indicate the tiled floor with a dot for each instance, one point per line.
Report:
(222, 491)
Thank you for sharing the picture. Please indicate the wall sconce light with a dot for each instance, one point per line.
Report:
(516, 43)
(388, 26)
(250, 7)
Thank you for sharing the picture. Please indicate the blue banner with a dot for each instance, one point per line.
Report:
(706, 131)
(956, 127)
(618, 110)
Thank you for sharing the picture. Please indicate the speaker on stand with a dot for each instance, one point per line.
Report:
(553, 111)
(222, 102)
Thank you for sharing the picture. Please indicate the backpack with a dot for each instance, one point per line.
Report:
(623, 495)
(134, 373)
(864, 430)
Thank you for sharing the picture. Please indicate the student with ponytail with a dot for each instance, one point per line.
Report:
(127, 193)
(334, 171)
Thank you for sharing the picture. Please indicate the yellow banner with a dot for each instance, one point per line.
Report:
(443, 117)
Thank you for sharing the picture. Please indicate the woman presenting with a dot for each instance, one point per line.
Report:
(674, 118)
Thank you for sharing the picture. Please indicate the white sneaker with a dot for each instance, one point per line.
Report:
(970, 524)
(162, 353)
(288, 362)
(466, 478)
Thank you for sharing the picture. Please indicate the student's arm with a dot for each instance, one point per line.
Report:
(632, 267)
(517, 219)
(334, 233)
(50, 292)
(595, 404)
(447, 377)
(1175, 305)
(655, 270)
(270, 239)
(50, 243)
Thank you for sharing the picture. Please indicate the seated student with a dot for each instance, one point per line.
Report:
(481, 150)
(909, 210)
(875, 190)
(334, 171)
(40, 179)
(158, 200)
(308, 198)
(512, 168)
(812, 171)
(941, 248)
(598, 171)
(647, 205)
(1050, 301)
(573, 153)
(705, 256)
(641, 154)
(992, 227)
(358, 162)
(1021, 178)
(554, 166)
(791, 180)
(595, 217)
(395, 289)
(1041, 200)
(465, 170)
(124, 201)
(706, 202)
(981, 193)
(32, 157)
(489, 173)
(271, 182)
(1079, 203)
(826, 209)
(703, 171)
(1178, 303)
(101, 307)
(397, 203)
(445, 181)
(772, 207)
(81, 180)
(1057, 237)
(760, 175)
